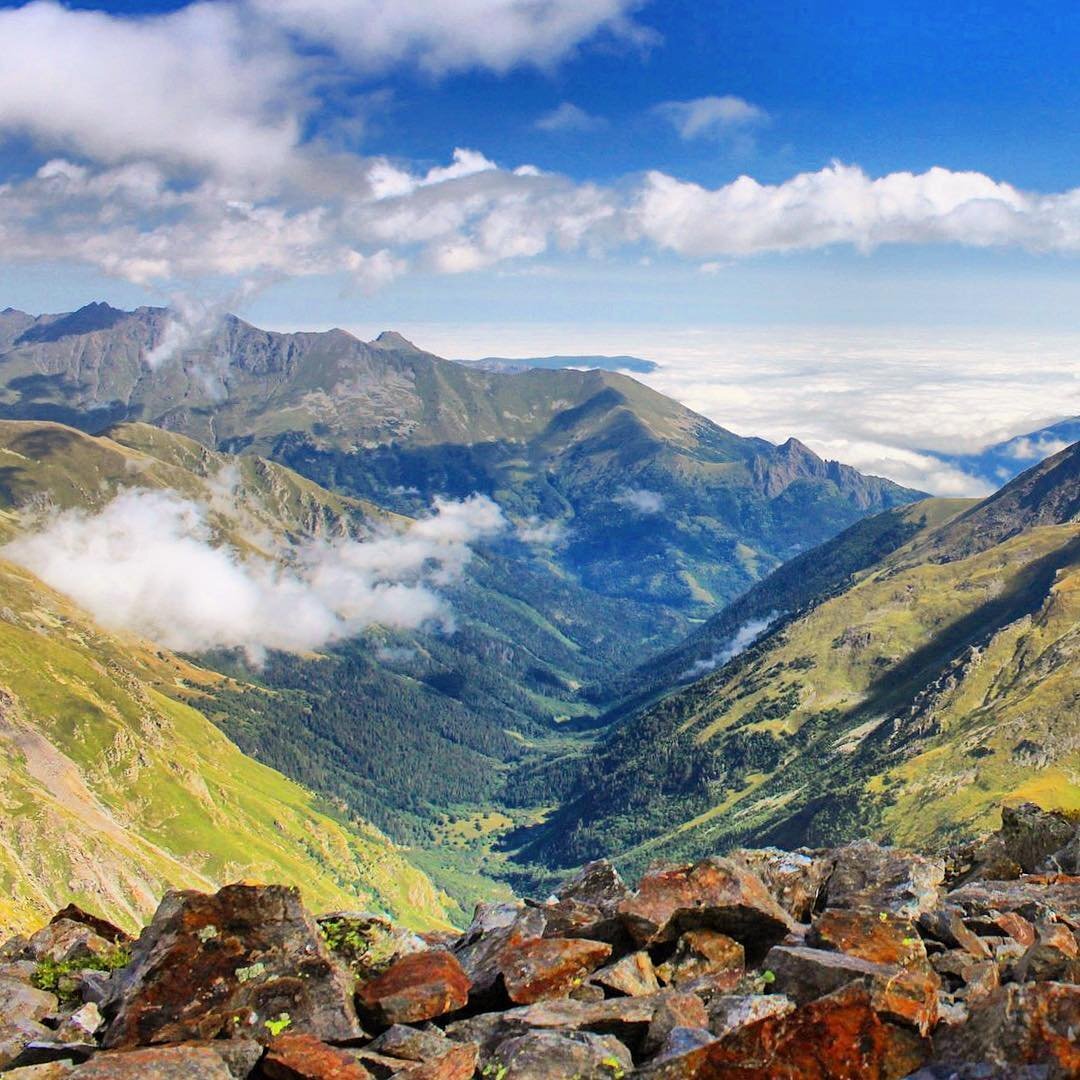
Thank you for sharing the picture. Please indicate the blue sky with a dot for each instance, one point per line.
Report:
(558, 171)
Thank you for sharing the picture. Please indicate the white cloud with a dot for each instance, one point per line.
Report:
(740, 641)
(711, 117)
(1035, 449)
(452, 35)
(642, 500)
(545, 533)
(147, 563)
(569, 117)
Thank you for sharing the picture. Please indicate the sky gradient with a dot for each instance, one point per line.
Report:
(600, 175)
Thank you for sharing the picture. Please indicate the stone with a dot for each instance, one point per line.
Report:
(560, 1055)
(18, 1001)
(967, 977)
(15, 1034)
(715, 894)
(456, 1063)
(946, 925)
(64, 941)
(412, 1044)
(1027, 837)
(304, 1057)
(417, 987)
(48, 1048)
(1033, 900)
(51, 1070)
(365, 943)
(1017, 927)
(794, 878)
(632, 975)
(157, 1063)
(729, 1012)
(1018, 1026)
(549, 967)
(837, 1037)
(867, 875)
(496, 928)
(673, 1011)
(882, 937)
(705, 954)
(246, 960)
(588, 991)
(240, 1055)
(597, 883)
(82, 1025)
(102, 927)
(903, 994)
(1053, 956)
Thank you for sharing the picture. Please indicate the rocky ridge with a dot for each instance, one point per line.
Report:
(857, 961)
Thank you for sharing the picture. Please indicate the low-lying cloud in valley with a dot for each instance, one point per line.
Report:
(741, 640)
(148, 563)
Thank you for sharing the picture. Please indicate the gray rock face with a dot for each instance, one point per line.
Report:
(866, 875)
(571, 1055)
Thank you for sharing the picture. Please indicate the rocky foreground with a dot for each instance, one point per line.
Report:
(857, 962)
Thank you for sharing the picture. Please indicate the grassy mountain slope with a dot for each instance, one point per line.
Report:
(660, 508)
(942, 679)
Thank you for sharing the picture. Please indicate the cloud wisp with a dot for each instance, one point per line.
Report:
(641, 500)
(740, 641)
(148, 563)
(711, 117)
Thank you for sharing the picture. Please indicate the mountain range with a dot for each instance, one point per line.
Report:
(678, 640)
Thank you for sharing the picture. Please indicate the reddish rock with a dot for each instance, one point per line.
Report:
(881, 937)
(549, 967)
(1033, 900)
(838, 1037)
(304, 1057)
(597, 883)
(967, 977)
(101, 927)
(157, 1063)
(66, 942)
(416, 987)
(866, 875)
(410, 1043)
(1033, 1024)
(1017, 927)
(236, 961)
(730, 1012)
(673, 1011)
(633, 975)
(947, 926)
(496, 928)
(457, 1063)
(794, 878)
(704, 954)
(1053, 956)
(715, 894)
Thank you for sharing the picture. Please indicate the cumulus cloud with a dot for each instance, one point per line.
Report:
(642, 500)
(545, 533)
(740, 641)
(148, 563)
(1035, 449)
(569, 117)
(711, 117)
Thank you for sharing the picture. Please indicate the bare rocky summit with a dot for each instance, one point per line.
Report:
(853, 962)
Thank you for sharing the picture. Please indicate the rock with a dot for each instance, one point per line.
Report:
(304, 1057)
(412, 1044)
(158, 1063)
(21, 1002)
(15, 1034)
(715, 894)
(866, 875)
(456, 1063)
(633, 975)
(549, 967)
(82, 1025)
(729, 1012)
(968, 977)
(946, 925)
(588, 991)
(64, 941)
(367, 944)
(48, 1049)
(673, 1011)
(702, 954)
(20, 970)
(882, 938)
(240, 1055)
(1067, 858)
(1017, 927)
(794, 878)
(1028, 836)
(902, 994)
(1032, 899)
(52, 1070)
(597, 883)
(414, 988)
(1017, 1026)
(560, 1055)
(245, 960)
(495, 929)
(838, 1037)
(1053, 957)
(101, 927)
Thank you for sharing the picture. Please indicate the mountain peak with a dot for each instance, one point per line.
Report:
(97, 315)
(391, 339)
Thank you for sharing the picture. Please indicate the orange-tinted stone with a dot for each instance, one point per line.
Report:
(458, 1063)
(414, 988)
(303, 1057)
(549, 967)
(880, 937)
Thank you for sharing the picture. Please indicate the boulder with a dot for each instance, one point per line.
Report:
(18, 1001)
(715, 894)
(367, 944)
(549, 967)
(53, 1070)
(794, 878)
(867, 875)
(597, 883)
(304, 1057)
(417, 987)
(455, 1063)
(496, 928)
(1018, 1026)
(730, 1012)
(1053, 957)
(247, 959)
(102, 927)
(1028, 837)
(633, 975)
(881, 937)
(410, 1043)
(705, 954)
(560, 1055)
(1033, 899)
(15, 1035)
(64, 941)
(157, 1063)
(946, 925)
